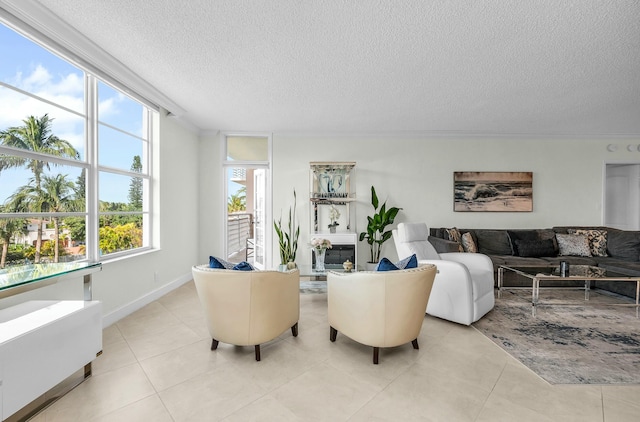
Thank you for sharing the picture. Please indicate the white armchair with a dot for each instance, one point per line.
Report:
(463, 288)
(246, 308)
(379, 308)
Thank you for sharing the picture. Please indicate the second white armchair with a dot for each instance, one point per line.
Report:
(463, 290)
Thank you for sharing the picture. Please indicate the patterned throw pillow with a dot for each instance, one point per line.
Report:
(573, 244)
(597, 240)
(454, 235)
(468, 244)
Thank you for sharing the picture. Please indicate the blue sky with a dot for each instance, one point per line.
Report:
(33, 69)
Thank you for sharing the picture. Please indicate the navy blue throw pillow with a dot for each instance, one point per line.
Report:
(215, 263)
(408, 262)
(243, 266)
(386, 265)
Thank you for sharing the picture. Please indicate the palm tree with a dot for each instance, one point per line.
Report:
(238, 201)
(35, 136)
(55, 195)
(8, 228)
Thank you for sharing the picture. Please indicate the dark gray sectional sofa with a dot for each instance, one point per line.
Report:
(622, 250)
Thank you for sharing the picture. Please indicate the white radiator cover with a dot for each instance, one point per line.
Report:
(41, 344)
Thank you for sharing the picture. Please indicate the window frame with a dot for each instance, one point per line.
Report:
(90, 161)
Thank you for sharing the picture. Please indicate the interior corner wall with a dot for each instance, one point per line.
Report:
(211, 197)
(175, 172)
(416, 174)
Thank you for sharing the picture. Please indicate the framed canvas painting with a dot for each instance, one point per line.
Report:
(497, 191)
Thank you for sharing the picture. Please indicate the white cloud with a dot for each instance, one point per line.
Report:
(107, 108)
(68, 91)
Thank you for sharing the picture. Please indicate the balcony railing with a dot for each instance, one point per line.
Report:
(239, 229)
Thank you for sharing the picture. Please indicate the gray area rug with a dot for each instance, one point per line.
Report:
(313, 287)
(568, 342)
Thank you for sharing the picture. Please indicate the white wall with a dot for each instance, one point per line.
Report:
(212, 201)
(416, 174)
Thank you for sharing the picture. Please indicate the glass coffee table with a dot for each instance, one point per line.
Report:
(309, 271)
(544, 273)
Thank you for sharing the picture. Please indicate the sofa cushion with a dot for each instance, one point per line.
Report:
(535, 248)
(573, 244)
(572, 260)
(493, 242)
(597, 240)
(515, 235)
(437, 232)
(518, 261)
(624, 245)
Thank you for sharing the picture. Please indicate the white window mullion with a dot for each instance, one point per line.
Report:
(147, 200)
(91, 104)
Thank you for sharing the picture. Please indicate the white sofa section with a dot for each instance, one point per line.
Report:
(463, 288)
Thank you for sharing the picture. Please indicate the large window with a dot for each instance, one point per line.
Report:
(74, 160)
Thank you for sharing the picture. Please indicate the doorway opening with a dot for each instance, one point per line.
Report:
(247, 190)
(622, 196)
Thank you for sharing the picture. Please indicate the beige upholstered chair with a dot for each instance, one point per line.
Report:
(379, 308)
(247, 308)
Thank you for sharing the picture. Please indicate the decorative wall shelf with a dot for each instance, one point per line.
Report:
(332, 190)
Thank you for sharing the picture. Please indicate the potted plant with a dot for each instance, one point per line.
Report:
(288, 237)
(376, 234)
(334, 214)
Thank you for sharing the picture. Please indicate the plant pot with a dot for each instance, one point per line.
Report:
(371, 266)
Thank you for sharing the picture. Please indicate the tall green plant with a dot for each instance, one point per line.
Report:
(375, 234)
(288, 239)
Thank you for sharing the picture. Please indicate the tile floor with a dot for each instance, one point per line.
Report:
(157, 367)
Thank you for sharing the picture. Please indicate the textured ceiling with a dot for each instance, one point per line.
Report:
(502, 67)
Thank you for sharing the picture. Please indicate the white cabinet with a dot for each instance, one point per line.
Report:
(42, 343)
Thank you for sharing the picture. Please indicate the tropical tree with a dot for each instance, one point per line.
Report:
(55, 195)
(34, 136)
(238, 201)
(77, 225)
(135, 186)
(118, 238)
(8, 228)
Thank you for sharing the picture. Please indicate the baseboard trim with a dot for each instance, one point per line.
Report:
(131, 307)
